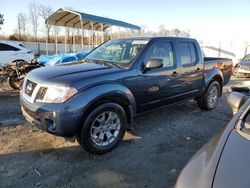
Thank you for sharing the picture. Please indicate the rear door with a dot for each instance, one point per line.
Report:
(191, 68)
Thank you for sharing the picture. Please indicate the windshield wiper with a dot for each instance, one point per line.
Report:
(106, 63)
(111, 64)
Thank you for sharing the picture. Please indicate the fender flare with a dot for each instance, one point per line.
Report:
(214, 74)
(89, 97)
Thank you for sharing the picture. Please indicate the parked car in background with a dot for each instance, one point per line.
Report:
(224, 161)
(242, 69)
(14, 51)
(95, 100)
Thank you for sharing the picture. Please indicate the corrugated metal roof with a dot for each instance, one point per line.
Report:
(75, 19)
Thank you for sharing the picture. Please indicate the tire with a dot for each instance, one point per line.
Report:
(210, 98)
(99, 133)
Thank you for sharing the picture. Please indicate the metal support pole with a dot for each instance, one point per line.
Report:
(47, 40)
(219, 49)
(111, 31)
(102, 28)
(92, 33)
(246, 48)
(96, 34)
(74, 41)
(56, 38)
(82, 34)
(65, 40)
(89, 39)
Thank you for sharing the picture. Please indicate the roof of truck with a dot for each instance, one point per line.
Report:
(155, 37)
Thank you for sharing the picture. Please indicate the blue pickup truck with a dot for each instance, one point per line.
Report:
(96, 99)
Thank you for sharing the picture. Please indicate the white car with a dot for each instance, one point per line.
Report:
(14, 51)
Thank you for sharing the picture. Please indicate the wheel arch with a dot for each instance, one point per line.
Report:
(214, 75)
(18, 60)
(113, 98)
(104, 93)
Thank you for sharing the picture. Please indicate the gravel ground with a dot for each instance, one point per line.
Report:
(151, 155)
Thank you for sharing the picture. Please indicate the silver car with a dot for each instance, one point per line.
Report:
(225, 161)
(242, 69)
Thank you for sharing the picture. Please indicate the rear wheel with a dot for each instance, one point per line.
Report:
(103, 129)
(210, 98)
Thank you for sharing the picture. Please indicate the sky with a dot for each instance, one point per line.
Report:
(213, 20)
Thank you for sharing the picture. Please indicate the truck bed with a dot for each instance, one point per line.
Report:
(224, 64)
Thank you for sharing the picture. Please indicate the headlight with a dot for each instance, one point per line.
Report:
(55, 94)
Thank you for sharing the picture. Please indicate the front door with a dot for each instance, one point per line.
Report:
(159, 86)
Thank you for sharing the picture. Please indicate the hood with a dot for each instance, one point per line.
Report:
(68, 74)
(245, 63)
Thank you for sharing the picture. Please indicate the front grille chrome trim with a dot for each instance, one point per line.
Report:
(31, 98)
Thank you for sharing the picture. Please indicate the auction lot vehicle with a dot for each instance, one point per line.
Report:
(242, 69)
(223, 161)
(13, 73)
(14, 51)
(96, 99)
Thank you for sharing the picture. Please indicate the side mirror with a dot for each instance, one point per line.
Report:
(236, 100)
(154, 63)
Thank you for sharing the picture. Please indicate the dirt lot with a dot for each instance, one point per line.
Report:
(151, 155)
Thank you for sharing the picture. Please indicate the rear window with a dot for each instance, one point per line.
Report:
(187, 53)
(6, 47)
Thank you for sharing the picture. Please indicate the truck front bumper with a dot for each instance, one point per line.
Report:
(57, 119)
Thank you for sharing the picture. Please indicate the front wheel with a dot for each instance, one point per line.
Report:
(210, 98)
(103, 129)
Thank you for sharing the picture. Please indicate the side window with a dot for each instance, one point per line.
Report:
(163, 50)
(193, 53)
(187, 53)
(5, 47)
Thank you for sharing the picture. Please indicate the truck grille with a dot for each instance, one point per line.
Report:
(29, 87)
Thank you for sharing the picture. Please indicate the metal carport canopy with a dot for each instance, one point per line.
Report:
(80, 20)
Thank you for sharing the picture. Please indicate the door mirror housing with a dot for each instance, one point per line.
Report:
(236, 100)
(153, 63)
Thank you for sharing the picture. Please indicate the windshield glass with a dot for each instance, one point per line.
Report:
(118, 52)
(246, 58)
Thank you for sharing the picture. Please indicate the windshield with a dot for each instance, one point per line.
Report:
(118, 52)
(246, 58)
